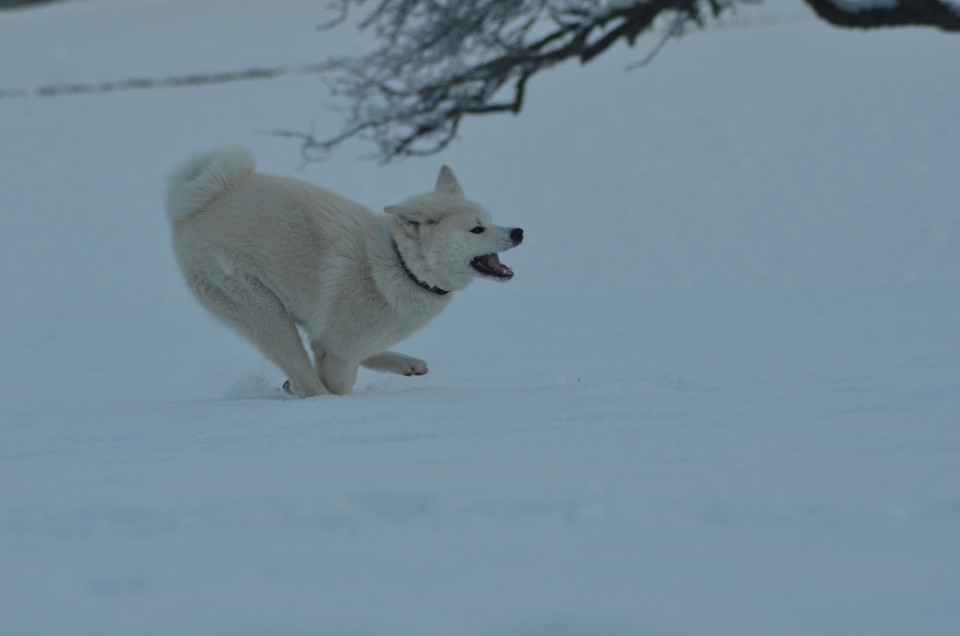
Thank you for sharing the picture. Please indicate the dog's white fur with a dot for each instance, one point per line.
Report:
(266, 254)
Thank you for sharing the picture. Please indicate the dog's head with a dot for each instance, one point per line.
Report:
(452, 239)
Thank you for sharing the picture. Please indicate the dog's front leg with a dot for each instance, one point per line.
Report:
(336, 374)
(392, 362)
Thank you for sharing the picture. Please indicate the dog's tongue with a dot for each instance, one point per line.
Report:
(493, 262)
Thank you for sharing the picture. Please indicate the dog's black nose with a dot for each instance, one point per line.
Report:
(516, 235)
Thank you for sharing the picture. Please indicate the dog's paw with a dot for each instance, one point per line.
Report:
(392, 362)
(415, 367)
(288, 389)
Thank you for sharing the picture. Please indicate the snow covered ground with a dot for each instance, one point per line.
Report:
(720, 397)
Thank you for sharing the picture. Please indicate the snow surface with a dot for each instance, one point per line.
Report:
(721, 396)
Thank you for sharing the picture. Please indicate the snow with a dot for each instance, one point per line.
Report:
(720, 395)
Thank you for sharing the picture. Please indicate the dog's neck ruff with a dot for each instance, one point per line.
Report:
(430, 288)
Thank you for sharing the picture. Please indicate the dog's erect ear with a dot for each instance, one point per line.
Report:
(408, 214)
(447, 182)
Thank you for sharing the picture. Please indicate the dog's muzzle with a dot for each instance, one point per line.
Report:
(490, 265)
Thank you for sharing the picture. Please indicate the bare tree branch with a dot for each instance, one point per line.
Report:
(873, 14)
(441, 60)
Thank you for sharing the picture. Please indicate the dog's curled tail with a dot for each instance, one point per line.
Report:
(202, 178)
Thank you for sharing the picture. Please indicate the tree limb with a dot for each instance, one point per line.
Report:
(873, 14)
(441, 61)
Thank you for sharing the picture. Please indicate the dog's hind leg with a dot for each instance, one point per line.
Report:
(392, 362)
(254, 311)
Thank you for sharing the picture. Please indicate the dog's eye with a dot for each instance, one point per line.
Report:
(478, 230)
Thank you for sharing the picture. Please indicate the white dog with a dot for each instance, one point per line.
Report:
(265, 254)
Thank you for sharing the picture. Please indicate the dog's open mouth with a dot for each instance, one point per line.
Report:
(490, 265)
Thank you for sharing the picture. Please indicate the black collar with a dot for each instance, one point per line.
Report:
(430, 288)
